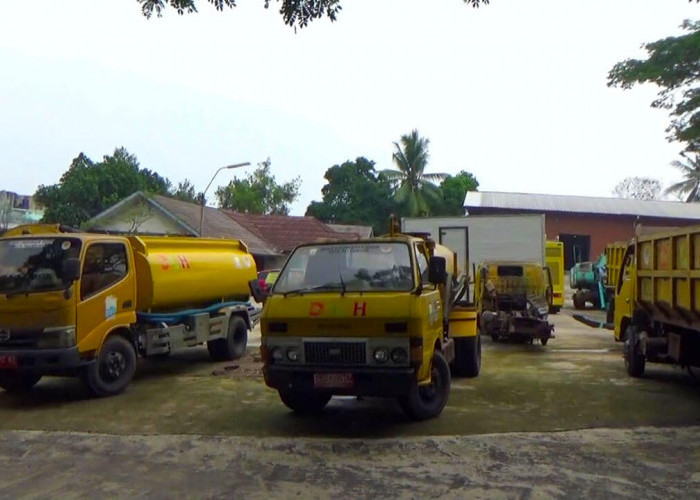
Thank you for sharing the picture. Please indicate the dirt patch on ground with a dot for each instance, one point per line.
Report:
(247, 367)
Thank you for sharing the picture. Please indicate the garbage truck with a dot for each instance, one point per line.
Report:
(87, 305)
(657, 301)
(368, 317)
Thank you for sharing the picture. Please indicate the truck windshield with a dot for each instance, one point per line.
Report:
(35, 264)
(347, 267)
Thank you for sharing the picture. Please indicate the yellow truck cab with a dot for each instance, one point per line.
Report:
(513, 300)
(555, 264)
(365, 318)
(657, 301)
(81, 304)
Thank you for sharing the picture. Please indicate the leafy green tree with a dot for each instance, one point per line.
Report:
(415, 187)
(674, 65)
(88, 188)
(259, 193)
(296, 13)
(185, 192)
(453, 189)
(689, 188)
(355, 193)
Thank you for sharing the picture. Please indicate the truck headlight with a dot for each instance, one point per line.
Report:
(277, 354)
(399, 356)
(293, 354)
(381, 355)
(57, 338)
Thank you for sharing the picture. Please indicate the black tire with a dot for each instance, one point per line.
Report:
(634, 359)
(113, 369)
(234, 345)
(467, 362)
(579, 302)
(544, 340)
(18, 382)
(495, 337)
(610, 313)
(424, 402)
(304, 403)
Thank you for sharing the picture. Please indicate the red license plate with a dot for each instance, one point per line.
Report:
(333, 380)
(8, 362)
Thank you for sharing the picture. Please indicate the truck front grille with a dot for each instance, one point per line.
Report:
(335, 353)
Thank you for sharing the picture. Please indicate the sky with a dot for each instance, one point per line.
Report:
(514, 92)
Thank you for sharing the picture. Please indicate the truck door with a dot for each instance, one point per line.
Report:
(624, 293)
(106, 292)
(457, 240)
(430, 309)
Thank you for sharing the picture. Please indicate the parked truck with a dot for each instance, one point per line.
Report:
(657, 302)
(81, 304)
(367, 317)
(555, 264)
(513, 300)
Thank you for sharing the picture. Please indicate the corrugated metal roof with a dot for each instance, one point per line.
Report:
(581, 204)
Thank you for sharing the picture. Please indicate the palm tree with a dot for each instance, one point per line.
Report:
(691, 184)
(415, 186)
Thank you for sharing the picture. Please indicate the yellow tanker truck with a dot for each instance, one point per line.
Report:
(367, 318)
(80, 304)
(657, 301)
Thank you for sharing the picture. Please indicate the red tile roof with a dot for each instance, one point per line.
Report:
(286, 231)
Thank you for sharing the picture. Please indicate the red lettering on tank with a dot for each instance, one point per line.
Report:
(360, 309)
(164, 264)
(184, 263)
(315, 309)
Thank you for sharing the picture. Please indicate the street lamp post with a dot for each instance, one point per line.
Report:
(201, 211)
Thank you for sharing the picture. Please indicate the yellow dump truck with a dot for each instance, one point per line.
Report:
(657, 302)
(555, 264)
(368, 318)
(80, 304)
(513, 301)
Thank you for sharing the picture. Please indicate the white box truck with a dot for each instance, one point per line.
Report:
(478, 238)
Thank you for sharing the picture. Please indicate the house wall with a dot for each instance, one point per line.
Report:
(139, 218)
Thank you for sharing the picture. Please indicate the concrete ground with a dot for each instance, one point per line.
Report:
(546, 422)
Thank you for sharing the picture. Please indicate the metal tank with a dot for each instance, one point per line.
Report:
(179, 272)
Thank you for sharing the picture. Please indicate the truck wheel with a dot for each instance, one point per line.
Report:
(304, 403)
(579, 301)
(18, 382)
(634, 360)
(610, 313)
(113, 369)
(234, 345)
(427, 401)
(544, 340)
(467, 362)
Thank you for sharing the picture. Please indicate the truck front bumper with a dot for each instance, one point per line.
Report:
(42, 361)
(365, 381)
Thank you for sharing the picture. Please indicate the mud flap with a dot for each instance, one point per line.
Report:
(448, 350)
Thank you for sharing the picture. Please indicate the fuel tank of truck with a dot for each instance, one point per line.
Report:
(179, 272)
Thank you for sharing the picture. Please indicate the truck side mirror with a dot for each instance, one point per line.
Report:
(70, 269)
(256, 290)
(437, 270)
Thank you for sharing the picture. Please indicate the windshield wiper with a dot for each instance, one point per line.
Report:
(342, 283)
(302, 291)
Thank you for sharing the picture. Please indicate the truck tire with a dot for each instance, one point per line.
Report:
(610, 312)
(467, 362)
(579, 301)
(544, 340)
(113, 369)
(424, 402)
(304, 403)
(234, 345)
(18, 382)
(634, 360)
